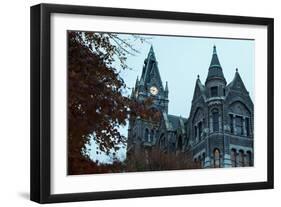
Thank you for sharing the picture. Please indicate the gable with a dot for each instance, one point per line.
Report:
(198, 91)
(237, 84)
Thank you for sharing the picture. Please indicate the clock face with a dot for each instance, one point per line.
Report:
(153, 90)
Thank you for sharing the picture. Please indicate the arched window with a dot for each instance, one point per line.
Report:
(233, 158)
(151, 136)
(146, 135)
(215, 115)
(195, 160)
(180, 143)
(216, 158)
(199, 130)
(247, 123)
(248, 159)
(195, 132)
(241, 158)
(239, 125)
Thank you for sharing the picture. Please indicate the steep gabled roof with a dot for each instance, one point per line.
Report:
(150, 70)
(199, 89)
(237, 84)
(174, 123)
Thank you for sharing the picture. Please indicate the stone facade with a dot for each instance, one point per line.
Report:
(219, 129)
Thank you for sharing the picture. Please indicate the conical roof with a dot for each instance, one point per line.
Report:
(215, 69)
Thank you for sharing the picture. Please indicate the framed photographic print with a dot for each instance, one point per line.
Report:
(133, 103)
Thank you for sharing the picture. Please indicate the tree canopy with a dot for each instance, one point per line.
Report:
(96, 104)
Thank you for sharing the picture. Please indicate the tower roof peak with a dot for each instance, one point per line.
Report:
(215, 69)
(214, 49)
(151, 48)
(151, 52)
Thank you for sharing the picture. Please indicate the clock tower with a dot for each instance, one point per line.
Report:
(142, 133)
(150, 84)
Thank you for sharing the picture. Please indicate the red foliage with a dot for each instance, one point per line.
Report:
(95, 101)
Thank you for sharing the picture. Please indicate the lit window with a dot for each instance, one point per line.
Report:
(216, 158)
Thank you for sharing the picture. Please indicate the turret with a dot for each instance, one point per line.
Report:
(215, 82)
(166, 92)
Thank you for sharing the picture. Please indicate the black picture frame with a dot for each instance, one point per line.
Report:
(40, 176)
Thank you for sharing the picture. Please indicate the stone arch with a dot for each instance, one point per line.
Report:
(240, 108)
(239, 100)
(240, 161)
(240, 119)
(233, 155)
(248, 158)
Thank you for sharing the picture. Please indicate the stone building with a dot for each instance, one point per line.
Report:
(219, 129)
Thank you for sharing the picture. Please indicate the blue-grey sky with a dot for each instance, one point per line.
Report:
(181, 59)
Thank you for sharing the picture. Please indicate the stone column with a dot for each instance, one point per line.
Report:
(244, 126)
(227, 160)
(198, 136)
(220, 123)
(234, 124)
(211, 124)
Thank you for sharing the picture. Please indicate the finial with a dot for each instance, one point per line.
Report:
(198, 76)
(151, 48)
(236, 69)
(214, 50)
(166, 86)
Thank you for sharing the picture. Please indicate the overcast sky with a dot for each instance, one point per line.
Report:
(181, 59)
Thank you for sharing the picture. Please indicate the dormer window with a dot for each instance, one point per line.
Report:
(214, 91)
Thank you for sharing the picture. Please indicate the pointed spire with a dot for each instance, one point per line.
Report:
(215, 69)
(215, 60)
(151, 49)
(166, 86)
(137, 82)
(133, 93)
(151, 54)
(214, 49)
(141, 82)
